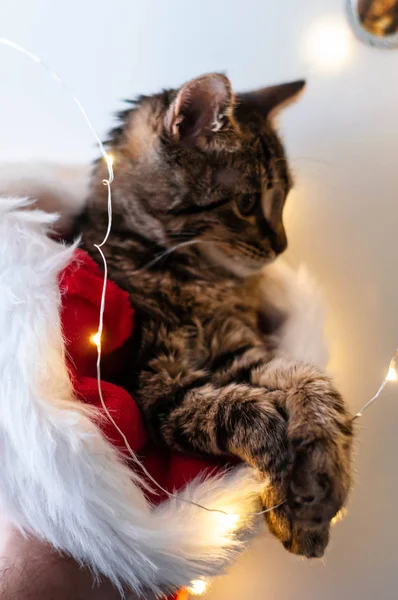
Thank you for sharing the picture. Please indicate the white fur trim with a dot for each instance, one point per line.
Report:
(59, 478)
(298, 297)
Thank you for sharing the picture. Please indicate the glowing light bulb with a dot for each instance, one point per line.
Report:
(328, 44)
(96, 339)
(392, 373)
(230, 520)
(226, 524)
(198, 587)
(109, 160)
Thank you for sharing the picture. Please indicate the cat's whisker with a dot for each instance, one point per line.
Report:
(169, 251)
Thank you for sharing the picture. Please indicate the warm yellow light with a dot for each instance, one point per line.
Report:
(339, 517)
(226, 524)
(198, 587)
(230, 521)
(328, 44)
(392, 374)
(96, 339)
(109, 160)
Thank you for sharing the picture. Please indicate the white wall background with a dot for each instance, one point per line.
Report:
(342, 218)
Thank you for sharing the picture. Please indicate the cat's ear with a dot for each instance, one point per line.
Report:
(202, 107)
(270, 100)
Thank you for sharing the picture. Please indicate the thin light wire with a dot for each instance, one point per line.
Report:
(133, 456)
(57, 78)
(108, 183)
(390, 376)
(369, 402)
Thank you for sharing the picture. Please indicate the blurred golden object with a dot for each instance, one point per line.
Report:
(375, 22)
(379, 17)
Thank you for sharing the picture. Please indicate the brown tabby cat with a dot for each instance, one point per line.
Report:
(201, 181)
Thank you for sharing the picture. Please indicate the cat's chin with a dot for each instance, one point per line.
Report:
(236, 266)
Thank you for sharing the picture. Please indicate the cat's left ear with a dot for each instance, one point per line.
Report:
(269, 101)
(200, 108)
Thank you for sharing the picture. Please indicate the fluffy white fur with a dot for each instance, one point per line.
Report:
(297, 296)
(60, 479)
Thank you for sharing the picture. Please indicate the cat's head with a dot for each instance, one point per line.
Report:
(204, 163)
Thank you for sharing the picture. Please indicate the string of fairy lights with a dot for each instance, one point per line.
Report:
(231, 520)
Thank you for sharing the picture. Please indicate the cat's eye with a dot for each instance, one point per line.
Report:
(246, 204)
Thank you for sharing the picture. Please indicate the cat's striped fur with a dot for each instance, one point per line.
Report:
(201, 180)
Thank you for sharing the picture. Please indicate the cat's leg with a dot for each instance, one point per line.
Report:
(319, 441)
(194, 415)
(283, 417)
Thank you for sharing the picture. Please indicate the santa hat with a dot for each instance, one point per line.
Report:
(63, 478)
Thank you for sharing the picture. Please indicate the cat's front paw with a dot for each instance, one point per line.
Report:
(310, 543)
(320, 447)
(319, 480)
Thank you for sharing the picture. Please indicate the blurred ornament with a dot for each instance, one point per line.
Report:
(374, 22)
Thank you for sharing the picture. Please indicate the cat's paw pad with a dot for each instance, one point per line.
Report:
(319, 481)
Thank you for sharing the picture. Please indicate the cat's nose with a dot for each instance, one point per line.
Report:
(279, 243)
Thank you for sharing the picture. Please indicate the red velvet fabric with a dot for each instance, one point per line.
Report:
(81, 287)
